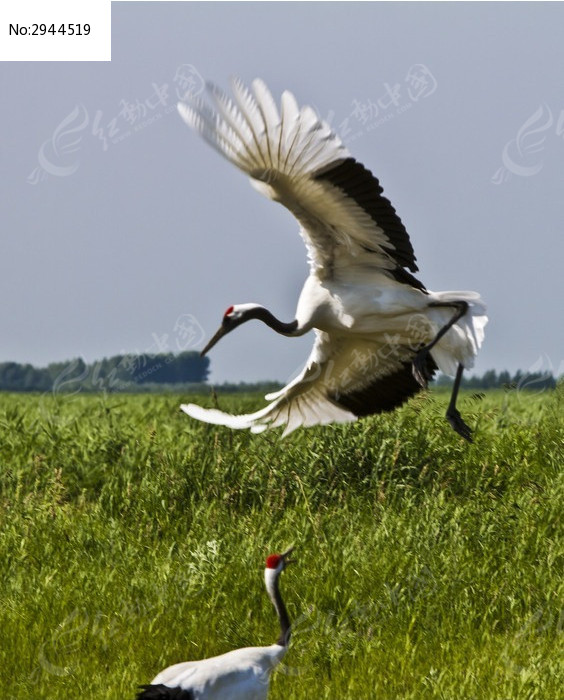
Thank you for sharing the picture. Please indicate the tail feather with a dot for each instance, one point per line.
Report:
(461, 343)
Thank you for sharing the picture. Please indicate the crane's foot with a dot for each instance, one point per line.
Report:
(420, 368)
(457, 423)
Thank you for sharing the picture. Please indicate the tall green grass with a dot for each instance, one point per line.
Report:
(132, 537)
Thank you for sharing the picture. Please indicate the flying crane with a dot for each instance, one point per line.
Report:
(380, 334)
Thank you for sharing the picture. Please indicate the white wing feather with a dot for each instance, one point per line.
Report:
(333, 369)
(287, 154)
(283, 152)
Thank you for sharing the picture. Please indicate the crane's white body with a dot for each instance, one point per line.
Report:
(362, 330)
(242, 674)
(370, 306)
(369, 314)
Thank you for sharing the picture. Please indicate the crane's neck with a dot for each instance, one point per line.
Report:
(264, 315)
(271, 581)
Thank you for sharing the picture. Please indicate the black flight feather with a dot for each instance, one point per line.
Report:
(384, 393)
(358, 183)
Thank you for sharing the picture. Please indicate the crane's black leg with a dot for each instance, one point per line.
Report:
(452, 414)
(420, 371)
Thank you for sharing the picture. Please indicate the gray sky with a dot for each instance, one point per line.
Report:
(121, 231)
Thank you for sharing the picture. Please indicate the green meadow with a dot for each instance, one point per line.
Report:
(132, 537)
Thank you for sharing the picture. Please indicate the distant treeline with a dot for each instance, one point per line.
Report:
(188, 371)
(119, 373)
(504, 380)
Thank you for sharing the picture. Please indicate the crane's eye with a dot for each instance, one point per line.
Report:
(228, 312)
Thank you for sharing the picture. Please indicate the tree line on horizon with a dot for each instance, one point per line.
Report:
(113, 374)
(187, 370)
(504, 380)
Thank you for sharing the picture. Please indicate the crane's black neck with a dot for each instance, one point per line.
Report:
(284, 638)
(264, 315)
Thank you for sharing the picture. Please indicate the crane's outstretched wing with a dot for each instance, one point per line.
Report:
(343, 379)
(294, 158)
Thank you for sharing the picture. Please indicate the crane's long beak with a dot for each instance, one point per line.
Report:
(287, 554)
(220, 333)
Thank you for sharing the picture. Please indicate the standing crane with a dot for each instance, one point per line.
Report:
(241, 674)
(380, 335)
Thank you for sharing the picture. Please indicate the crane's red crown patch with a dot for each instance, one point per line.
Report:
(272, 561)
(229, 310)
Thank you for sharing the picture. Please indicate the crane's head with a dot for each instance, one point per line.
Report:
(276, 563)
(233, 317)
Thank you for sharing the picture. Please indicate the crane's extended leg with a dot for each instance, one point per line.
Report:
(421, 374)
(420, 360)
(452, 414)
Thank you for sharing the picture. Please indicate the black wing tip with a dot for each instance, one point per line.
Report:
(405, 277)
(359, 183)
(163, 692)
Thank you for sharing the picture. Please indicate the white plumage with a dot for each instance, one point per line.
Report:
(241, 674)
(380, 334)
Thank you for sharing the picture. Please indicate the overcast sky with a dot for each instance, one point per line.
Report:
(121, 231)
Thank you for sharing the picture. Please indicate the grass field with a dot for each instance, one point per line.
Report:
(132, 537)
